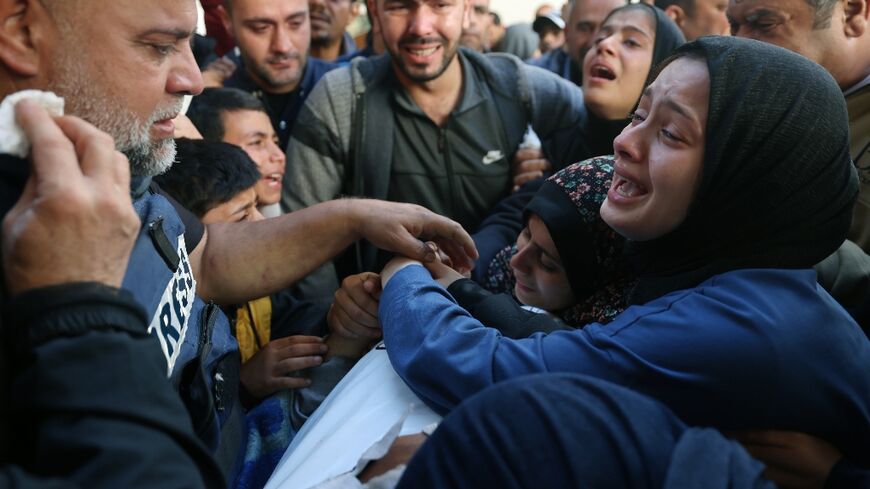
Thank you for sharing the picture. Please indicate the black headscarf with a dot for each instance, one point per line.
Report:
(569, 205)
(777, 186)
(598, 133)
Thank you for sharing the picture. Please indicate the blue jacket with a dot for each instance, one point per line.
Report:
(201, 354)
(283, 123)
(745, 349)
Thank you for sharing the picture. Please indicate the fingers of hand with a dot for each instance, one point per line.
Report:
(352, 327)
(291, 365)
(53, 156)
(525, 154)
(293, 343)
(530, 166)
(459, 258)
(372, 284)
(523, 178)
(353, 298)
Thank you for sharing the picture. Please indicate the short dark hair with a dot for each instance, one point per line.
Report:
(207, 174)
(206, 109)
(688, 6)
(573, 3)
(823, 11)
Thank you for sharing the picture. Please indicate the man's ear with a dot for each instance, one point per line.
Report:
(23, 26)
(676, 13)
(372, 6)
(857, 16)
(226, 21)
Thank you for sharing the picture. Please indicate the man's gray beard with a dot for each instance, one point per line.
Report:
(84, 99)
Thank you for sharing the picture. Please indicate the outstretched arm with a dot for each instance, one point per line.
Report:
(236, 262)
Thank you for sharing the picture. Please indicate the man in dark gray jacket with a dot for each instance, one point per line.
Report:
(429, 123)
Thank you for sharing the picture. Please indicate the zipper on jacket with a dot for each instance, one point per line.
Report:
(448, 166)
(210, 315)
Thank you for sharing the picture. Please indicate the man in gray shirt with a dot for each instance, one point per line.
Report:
(429, 123)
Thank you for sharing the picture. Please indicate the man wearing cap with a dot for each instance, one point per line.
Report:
(551, 30)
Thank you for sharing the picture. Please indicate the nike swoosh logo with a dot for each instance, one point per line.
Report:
(492, 157)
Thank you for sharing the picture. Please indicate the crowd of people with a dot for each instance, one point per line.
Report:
(623, 244)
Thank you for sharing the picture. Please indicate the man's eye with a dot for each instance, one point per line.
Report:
(163, 49)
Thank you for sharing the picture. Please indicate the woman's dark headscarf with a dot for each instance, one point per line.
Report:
(567, 147)
(777, 185)
(569, 205)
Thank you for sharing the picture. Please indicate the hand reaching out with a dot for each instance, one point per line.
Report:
(403, 228)
(270, 369)
(354, 311)
(528, 164)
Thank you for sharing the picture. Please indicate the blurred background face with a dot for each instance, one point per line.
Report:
(793, 25)
(252, 131)
(706, 18)
(329, 19)
(475, 35)
(422, 36)
(273, 37)
(585, 19)
(615, 69)
(551, 38)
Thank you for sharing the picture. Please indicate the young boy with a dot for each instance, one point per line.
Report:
(216, 181)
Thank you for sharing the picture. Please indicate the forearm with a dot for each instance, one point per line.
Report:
(501, 311)
(438, 349)
(241, 261)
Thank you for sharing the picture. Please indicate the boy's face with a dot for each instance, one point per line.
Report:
(252, 131)
(541, 278)
(242, 207)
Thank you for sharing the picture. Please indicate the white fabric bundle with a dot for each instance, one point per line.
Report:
(13, 141)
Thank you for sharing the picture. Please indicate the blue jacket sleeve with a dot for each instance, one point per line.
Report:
(737, 352)
(443, 353)
(91, 403)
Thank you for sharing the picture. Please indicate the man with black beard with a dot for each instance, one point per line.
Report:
(130, 84)
(273, 38)
(430, 123)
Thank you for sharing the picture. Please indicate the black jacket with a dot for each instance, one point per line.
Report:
(76, 411)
